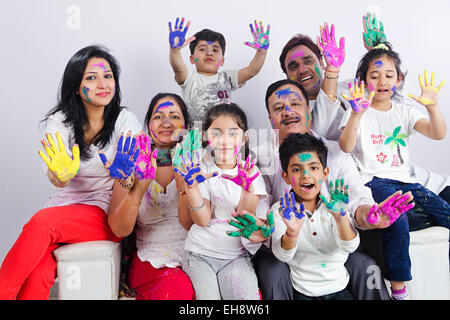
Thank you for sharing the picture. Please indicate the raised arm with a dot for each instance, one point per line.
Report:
(434, 128)
(133, 170)
(334, 57)
(359, 104)
(61, 167)
(244, 179)
(177, 41)
(261, 45)
(199, 208)
(373, 31)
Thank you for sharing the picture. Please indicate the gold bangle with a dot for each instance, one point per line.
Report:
(129, 185)
(331, 78)
(332, 97)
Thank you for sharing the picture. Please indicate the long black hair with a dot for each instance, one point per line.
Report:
(70, 103)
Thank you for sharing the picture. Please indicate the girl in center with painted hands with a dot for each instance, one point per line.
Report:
(218, 264)
(376, 130)
(151, 207)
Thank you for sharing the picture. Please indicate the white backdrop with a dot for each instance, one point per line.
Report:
(39, 37)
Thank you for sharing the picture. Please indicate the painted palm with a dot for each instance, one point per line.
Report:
(396, 139)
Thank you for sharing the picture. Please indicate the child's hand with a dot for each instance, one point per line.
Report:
(177, 36)
(146, 162)
(289, 206)
(251, 227)
(430, 93)
(192, 173)
(261, 38)
(125, 159)
(337, 205)
(358, 100)
(191, 143)
(58, 161)
(373, 31)
(387, 212)
(243, 177)
(327, 43)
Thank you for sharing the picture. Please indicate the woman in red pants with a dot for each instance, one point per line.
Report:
(87, 118)
(151, 207)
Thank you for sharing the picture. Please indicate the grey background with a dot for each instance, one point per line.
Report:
(39, 37)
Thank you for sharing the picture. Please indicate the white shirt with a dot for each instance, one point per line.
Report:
(326, 116)
(317, 260)
(341, 165)
(159, 236)
(431, 180)
(92, 185)
(201, 92)
(376, 152)
(224, 196)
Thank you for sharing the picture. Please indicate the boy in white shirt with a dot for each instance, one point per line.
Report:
(206, 87)
(312, 235)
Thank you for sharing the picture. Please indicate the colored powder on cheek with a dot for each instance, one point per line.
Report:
(378, 63)
(85, 92)
(316, 68)
(292, 78)
(196, 60)
(304, 156)
(394, 88)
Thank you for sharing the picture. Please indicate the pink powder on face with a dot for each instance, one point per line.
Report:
(101, 65)
(297, 54)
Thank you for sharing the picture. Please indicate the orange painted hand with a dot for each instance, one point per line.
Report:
(58, 161)
(429, 93)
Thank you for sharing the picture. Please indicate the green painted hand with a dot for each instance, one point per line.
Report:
(249, 225)
(338, 198)
(373, 31)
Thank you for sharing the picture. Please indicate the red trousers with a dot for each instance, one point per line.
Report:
(29, 269)
(159, 284)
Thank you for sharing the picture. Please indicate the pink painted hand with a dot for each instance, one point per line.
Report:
(334, 55)
(146, 162)
(261, 38)
(390, 209)
(243, 177)
(358, 100)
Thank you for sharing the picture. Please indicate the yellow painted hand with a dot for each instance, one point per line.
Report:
(358, 100)
(429, 91)
(58, 161)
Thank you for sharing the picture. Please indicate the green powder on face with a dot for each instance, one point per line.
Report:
(304, 156)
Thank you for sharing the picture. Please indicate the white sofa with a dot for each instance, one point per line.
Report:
(91, 270)
(88, 270)
(428, 250)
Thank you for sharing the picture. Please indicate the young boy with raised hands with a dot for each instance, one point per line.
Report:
(312, 235)
(207, 86)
